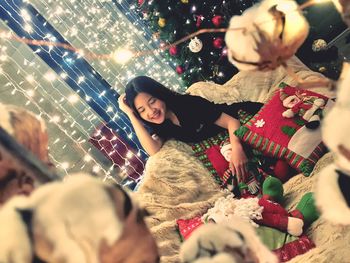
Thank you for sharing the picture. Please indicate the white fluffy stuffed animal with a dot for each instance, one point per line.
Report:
(333, 185)
(80, 220)
(273, 31)
(225, 243)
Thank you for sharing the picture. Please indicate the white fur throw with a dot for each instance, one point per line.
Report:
(177, 185)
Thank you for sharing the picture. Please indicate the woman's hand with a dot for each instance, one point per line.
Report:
(238, 163)
(123, 106)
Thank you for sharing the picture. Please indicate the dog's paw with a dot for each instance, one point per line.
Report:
(212, 241)
(230, 242)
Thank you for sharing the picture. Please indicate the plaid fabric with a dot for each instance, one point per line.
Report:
(258, 165)
(269, 132)
(200, 152)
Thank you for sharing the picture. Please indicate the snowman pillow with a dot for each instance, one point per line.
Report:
(288, 127)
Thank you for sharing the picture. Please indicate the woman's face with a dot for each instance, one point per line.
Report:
(150, 108)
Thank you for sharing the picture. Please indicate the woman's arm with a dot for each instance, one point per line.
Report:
(238, 163)
(151, 146)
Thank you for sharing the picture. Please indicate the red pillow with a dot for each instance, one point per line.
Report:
(288, 133)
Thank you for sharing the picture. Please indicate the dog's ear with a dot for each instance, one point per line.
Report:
(121, 200)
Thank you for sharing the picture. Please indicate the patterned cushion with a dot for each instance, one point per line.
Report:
(208, 151)
(282, 132)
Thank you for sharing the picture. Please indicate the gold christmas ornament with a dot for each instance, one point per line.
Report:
(162, 22)
(319, 45)
(184, 1)
(322, 69)
(271, 32)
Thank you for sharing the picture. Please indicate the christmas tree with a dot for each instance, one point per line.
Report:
(203, 58)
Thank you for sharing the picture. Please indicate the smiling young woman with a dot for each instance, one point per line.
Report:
(183, 117)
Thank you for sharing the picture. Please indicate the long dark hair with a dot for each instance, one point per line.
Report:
(148, 85)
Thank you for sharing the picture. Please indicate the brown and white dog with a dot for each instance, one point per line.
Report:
(79, 220)
(233, 241)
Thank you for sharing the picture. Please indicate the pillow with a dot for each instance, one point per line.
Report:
(287, 127)
(208, 152)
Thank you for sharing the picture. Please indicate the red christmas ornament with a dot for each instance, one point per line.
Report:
(218, 42)
(173, 51)
(217, 20)
(199, 21)
(141, 2)
(180, 70)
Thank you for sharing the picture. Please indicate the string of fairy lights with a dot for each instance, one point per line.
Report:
(104, 14)
(36, 97)
(108, 68)
(117, 75)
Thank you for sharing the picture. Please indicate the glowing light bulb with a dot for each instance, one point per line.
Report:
(30, 93)
(50, 76)
(65, 165)
(63, 75)
(81, 79)
(25, 15)
(28, 28)
(73, 98)
(129, 154)
(55, 119)
(87, 158)
(122, 56)
(30, 78)
(96, 168)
